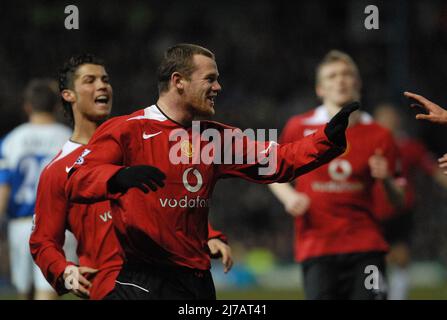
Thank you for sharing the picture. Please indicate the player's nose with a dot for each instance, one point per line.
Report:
(216, 86)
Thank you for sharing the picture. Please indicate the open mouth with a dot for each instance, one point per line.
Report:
(103, 99)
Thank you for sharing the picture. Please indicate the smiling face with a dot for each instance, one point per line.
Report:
(91, 96)
(338, 83)
(202, 87)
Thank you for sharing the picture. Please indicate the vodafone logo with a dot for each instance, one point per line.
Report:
(198, 176)
(340, 169)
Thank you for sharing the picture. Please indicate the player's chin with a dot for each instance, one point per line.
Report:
(344, 100)
(100, 115)
(207, 111)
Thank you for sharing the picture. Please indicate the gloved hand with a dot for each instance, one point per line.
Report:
(142, 177)
(335, 129)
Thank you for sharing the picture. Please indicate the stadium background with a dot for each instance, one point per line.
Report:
(266, 53)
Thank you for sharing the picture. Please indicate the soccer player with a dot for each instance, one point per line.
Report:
(161, 215)
(336, 235)
(25, 152)
(415, 158)
(87, 99)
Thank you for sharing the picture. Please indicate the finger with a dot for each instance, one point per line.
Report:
(160, 174)
(155, 172)
(159, 182)
(142, 187)
(443, 165)
(417, 97)
(83, 270)
(82, 292)
(421, 116)
(351, 107)
(151, 185)
(229, 265)
(84, 282)
(225, 256)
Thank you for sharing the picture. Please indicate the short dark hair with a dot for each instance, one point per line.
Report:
(40, 95)
(66, 76)
(179, 58)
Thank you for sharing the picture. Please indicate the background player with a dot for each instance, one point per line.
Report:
(87, 99)
(25, 151)
(336, 234)
(414, 159)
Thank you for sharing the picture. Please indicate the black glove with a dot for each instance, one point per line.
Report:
(335, 129)
(141, 177)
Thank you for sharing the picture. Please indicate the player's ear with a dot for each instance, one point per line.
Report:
(177, 80)
(68, 95)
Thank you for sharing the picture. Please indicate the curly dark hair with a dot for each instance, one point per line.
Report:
(66, 76)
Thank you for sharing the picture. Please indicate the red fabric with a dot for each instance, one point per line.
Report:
(340, 218)
(216, 234)
(170, 226)
(414, 158)
(91, 225)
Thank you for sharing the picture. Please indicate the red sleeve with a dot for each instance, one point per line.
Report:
(101, 159)
(48, 236)
(391, 153)
(216, 234)
(281, 162)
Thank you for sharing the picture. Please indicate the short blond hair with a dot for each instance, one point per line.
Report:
(336, 56)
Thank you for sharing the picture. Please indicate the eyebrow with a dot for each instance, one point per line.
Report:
(94, 76)
(212, 74)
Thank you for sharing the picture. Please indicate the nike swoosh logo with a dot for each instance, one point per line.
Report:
(148, 136)
(271, 143)
(67, 169)
(308, 132)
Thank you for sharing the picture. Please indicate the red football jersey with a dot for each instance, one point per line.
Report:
(340, 218)
(91, 225)
(414, 158)
(169, 226)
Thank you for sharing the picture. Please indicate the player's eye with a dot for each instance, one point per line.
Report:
(89, 79)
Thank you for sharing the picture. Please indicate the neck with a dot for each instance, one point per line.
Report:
(334, 108)
(83, 129)
(175, 109)
(41, 118)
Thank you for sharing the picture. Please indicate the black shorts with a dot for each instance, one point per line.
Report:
(343, 277)
(398, 228)
(143, 282)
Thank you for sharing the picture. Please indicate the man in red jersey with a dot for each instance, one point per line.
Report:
(163, 232)
(87, 100)
(337, 237)
(398, 223)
